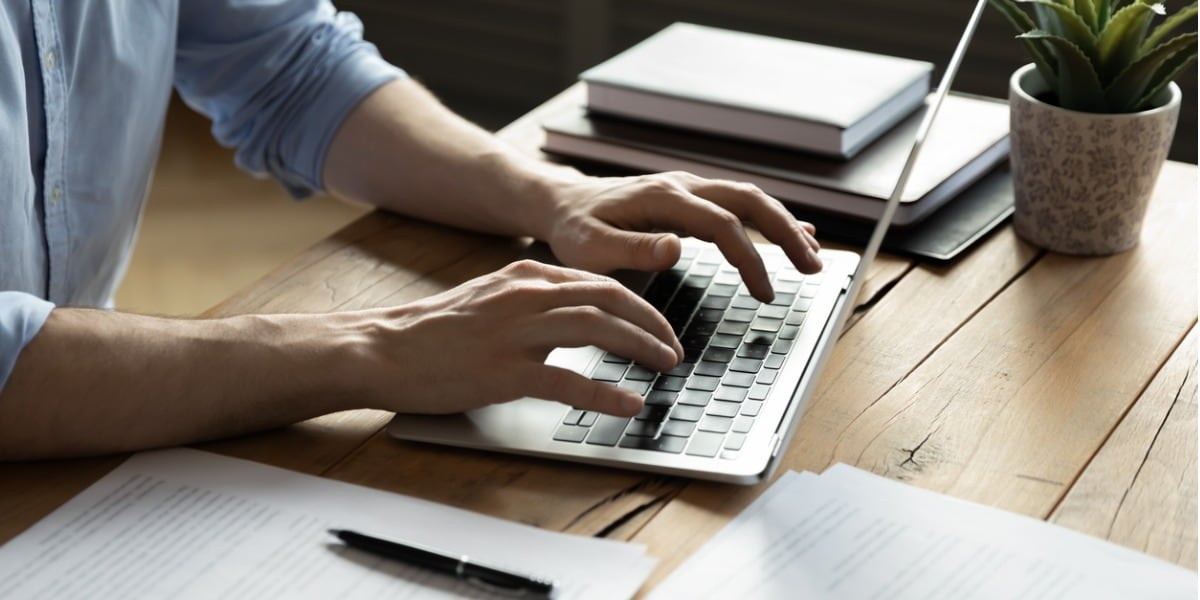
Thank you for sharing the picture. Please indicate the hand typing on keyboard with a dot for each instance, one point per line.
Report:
(602, 224)
(485, 342)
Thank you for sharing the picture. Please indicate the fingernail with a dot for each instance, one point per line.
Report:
(662, 250)
(814, 258)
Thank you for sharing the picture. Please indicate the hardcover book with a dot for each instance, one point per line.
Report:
(805, 96)
(969, 138)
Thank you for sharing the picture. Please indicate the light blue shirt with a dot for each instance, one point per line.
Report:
(84, 86)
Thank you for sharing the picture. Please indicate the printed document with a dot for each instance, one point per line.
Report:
(851, 534)
(188, 524)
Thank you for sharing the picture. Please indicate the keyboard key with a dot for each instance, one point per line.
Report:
(588, 419)
(715, 424)
(746, 301)
(742, 380)
(640, 373)
(572, 417)
(701, 329)
(717, 302)
(678, 428)
(790, 274)
(638, 387)
(609, 357)
(781, 347)
(705, 444)
(707, 268)
(796, 318)
(739, 315)
(694, 397)
(661, 398)
(674, 445)
(787, 287)
(721, 355)
(767, 377)
(683, 369)
(721, 290)
(735, 441)
(759, 391)
(700, 382)
(684, 412)
(771, 311)
(710, 368)
(770, 325)
(696, 341)
(643, 428)
(729, 328)
(571, 433)
(775, 361)
(809, 290)
(722, 409)
(742, 424)
(692, 354)
(802, 304)
(784, 299)
(729, 454)
(728, 277)
(730, 394)
(607, 430)
(721, 340)
(669, 383)
(709, 315)
(789, 332)
(751, 408)
(610, 372)
(745, 365)
(756, 351)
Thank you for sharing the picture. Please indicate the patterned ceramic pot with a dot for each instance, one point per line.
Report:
(1082, 180)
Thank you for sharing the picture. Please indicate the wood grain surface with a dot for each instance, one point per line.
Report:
(1053, 386)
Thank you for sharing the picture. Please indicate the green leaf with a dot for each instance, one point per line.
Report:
(1103, 14)
(1061, 20)
(1160, 33)
(1078, 85)
(1087, 11)
(1165, 75)
(1131, 86)
(1041, 52)
(1119, 42)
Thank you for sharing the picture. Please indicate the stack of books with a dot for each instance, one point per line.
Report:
(820, 128)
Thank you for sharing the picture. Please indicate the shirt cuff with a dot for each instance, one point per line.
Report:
(350, 81)
(21, 317)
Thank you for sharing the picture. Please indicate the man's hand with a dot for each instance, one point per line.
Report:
(486, 341)
(603, 224)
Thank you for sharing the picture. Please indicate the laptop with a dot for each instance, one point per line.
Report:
(728, 412)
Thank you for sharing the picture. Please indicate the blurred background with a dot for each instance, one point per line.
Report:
(210, 229)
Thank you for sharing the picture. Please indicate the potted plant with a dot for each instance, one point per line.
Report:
(1092, 117)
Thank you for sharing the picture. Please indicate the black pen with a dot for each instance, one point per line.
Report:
(489, 578)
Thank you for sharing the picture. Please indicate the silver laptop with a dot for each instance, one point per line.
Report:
(729, 410)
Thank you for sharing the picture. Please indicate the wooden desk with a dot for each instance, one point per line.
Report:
(1058, 387)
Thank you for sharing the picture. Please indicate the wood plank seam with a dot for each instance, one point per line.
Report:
(1149, 449)
(656, 504)
(1066, 488)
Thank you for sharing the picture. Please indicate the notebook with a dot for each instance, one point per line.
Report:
(730, 410)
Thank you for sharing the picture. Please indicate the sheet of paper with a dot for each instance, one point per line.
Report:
(851, 534)
(187, 524)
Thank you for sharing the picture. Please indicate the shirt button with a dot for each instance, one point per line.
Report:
(55, 195)
(50, 60)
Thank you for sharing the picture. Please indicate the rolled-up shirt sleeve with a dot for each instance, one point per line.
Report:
(277, 78)
(21, 317)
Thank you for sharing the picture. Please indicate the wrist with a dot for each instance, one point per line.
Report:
(541, 193)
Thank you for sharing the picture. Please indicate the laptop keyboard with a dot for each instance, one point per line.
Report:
(734, 347)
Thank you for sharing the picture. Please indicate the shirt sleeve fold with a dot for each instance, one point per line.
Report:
(21, 317)
(277, 78)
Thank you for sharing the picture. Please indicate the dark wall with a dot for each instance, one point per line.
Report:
(492, 60)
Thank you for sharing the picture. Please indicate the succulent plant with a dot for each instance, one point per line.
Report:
(1103, 57)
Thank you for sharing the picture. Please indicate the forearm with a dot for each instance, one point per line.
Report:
(401, 150)
(96, 382)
